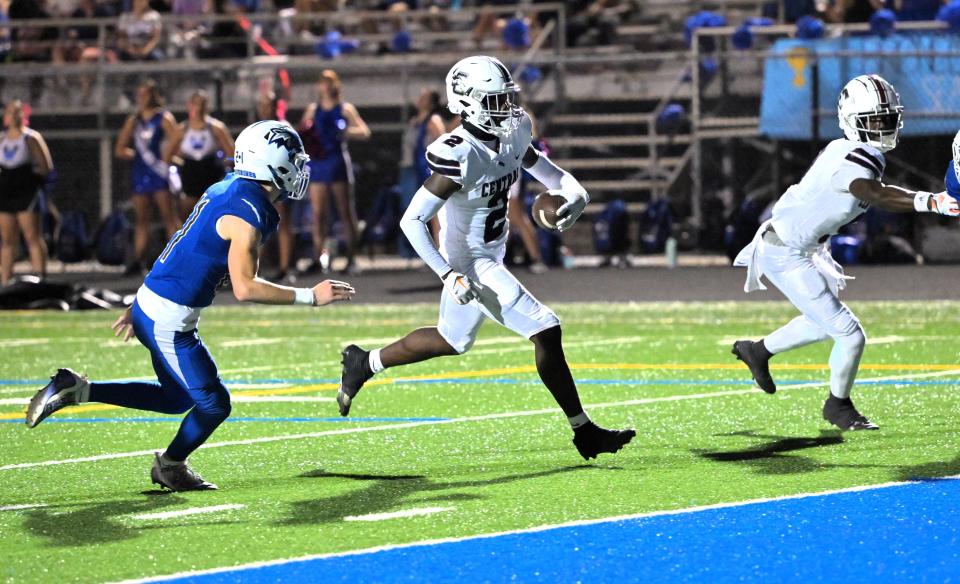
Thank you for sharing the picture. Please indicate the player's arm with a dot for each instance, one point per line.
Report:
(425, 205)
(243, 260)
(898, 200)
(555, 178)
(122, 149)
(357, 129)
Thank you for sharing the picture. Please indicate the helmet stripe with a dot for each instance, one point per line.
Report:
(880, 90)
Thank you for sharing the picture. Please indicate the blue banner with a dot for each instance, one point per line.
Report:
(929, 86)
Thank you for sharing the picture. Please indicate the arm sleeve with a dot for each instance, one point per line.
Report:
(421, 210)
(554, 177)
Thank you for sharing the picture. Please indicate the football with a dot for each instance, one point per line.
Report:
(545, 210)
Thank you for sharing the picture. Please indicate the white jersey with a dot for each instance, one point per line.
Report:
(820, 204)
(473, 222)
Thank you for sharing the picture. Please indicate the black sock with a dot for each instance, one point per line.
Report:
(762, 349)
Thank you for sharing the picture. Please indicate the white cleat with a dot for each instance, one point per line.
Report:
(66, 388)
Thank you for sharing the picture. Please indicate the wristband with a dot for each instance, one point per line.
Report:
(921, 201)
(303, 296)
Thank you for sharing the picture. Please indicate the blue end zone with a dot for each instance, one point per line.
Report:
(902, 533)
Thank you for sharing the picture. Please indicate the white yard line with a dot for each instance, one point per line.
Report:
(280, 398)
(4, 343)
(19, 507)
(252, 342)
(14, 401)
(398, 514)
(536, 529)
(502, 415)
(186, 512)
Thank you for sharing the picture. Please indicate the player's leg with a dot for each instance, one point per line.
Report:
(142, 217)
(319, 195)
(347, 211)
(166, 205)
(66, 388)
(504, 299)
(454, 335)
(30, 227)
(9, 240)
(799, 332)
(800, 281)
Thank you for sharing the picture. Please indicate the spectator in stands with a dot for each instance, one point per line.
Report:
(187, 33)
(81, 43)
(852, 11)
(326, 127)
(226, 38)
(915, 9)
(6, 42)
(24, 165)
(32, 43)
(139, 32)
(140, 141)
(517, 216)
(592, 19)
(199, 148)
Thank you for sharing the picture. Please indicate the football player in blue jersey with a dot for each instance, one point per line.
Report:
(952, 180)
(218, 243)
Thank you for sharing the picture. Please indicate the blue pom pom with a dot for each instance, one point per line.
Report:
(671, 119)
(402, 42)
(883, 22)
(531, 75)
(809, 27)
(950, 13)
(516, 34)
(703, 19)
(742, 37)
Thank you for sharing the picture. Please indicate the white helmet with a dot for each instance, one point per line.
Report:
(870, 112)
(482, 91)
(956, 154)
(272, 152)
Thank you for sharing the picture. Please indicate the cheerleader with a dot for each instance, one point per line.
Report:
(24, 165)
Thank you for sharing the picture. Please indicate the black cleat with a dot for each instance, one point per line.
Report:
(355, 372)
(842, 414)
(590, 440)
(178, 477)
(756, 357)
(66, 388)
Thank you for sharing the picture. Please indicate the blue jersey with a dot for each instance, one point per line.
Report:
(952, 181)
(194, 263)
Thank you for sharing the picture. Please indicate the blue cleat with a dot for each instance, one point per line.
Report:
(66, 388)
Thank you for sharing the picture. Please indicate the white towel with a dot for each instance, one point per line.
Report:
(748, 257)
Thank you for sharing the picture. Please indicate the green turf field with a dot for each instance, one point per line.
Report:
(474, 442)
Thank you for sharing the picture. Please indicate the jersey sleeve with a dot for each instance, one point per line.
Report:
(447, 155)
(952, 181)
(861, 162)
(245, 207)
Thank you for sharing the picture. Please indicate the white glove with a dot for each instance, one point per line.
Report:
(462, 288)
(940, 203)
(570, 211)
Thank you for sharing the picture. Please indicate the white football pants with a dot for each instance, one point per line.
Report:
(793, 272)
(502, 298)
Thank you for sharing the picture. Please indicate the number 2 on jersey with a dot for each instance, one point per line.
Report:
(497, 219)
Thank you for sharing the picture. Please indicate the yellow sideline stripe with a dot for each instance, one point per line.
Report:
(314, 387)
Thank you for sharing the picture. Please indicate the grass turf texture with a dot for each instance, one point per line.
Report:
(497, 474)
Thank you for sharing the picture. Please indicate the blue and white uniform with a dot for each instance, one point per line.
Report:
(182, 282)
(951, 181)
(149, 172)
(326, 144)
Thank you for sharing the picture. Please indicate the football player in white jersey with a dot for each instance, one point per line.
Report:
(473, 168)
(792, 248)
